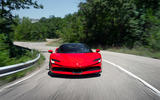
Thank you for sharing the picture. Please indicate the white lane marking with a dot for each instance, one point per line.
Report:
(156, 91)
(25, 78)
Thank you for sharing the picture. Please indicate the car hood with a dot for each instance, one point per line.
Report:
(75, 60)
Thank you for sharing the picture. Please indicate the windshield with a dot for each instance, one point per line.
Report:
(74, 48)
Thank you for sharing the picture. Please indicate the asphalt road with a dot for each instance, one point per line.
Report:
(113, 84)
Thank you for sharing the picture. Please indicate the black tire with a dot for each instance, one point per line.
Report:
(98, 74)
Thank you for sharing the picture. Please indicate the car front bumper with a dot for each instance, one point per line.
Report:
(75, 71)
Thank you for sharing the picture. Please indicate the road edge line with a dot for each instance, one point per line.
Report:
(156, 91)
(23, 79)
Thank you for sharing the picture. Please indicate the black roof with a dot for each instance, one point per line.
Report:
(73, 44)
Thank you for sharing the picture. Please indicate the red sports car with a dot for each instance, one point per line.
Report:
(75, 59)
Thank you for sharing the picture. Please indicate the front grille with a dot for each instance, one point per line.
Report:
(76, 70)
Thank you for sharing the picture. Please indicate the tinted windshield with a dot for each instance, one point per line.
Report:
(74, 48)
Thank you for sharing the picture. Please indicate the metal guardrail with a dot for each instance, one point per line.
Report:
(7, 70)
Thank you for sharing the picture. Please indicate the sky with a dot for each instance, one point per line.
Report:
(58, 8)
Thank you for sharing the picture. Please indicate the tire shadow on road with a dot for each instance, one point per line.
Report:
(53, 75)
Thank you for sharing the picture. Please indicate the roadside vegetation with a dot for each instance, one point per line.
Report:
(100, 23)
(127, 25)
(141, 51)
(16, 55)
(9, 53)
(9, 25)
(12, 77)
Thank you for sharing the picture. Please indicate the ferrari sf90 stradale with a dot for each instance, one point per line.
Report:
(75, 59)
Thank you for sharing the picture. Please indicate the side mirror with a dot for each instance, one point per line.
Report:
(56, 50)
(97, 50)
(50, 51)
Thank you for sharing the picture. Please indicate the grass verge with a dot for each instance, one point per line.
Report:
(20, 57)
(12, 77)
(141, 51)
(29, 55)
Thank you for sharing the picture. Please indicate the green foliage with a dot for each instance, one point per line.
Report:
(110, 22)
(72, 30)
(39, 31)
(9, 5)
(6, 8)
(4, 50)
(12, 55)
(28, 31)
(114, 23)
(154, 41)
(52, 25)
(104, 23)
(141, 51)
(22, 31)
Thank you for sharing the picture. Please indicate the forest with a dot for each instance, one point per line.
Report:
(114, 23)
(98, 23)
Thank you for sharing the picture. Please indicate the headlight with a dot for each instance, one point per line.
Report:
(98, 59)
(54, 60)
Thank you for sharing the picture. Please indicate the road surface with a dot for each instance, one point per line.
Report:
(113, 84)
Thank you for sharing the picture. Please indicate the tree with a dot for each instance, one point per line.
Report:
(6, 8)
(110, 22)
(6, 17)
(72, 30)
(28, 31)
(4, 54)
(23, 30)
